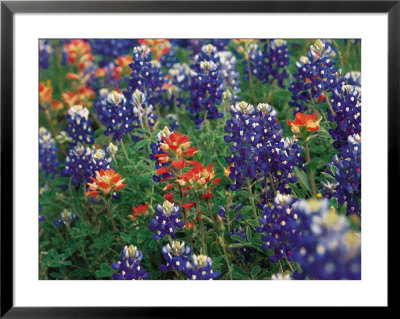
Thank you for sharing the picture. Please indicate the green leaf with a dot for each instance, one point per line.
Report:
(255, 271)
(334, 170)
(328, 175)
(238, 273)
(105, 271)
(239, 239)
(303, 178)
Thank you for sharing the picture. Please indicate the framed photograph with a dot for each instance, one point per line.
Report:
(199, 150)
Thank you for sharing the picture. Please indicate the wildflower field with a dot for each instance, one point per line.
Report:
(227, 159)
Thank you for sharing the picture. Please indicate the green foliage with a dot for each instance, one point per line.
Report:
(86, 249)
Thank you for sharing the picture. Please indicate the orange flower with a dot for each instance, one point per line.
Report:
(158, 47)
(106, 182)
(45, 92)
(138, 210)
(78, 52)
(174, 148)
(306, 121)
(197, 179)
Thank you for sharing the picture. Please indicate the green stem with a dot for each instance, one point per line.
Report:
(311, 174)
(203, 241)
(329, 103)
(253, 205)
(113, 222)
(124, 149)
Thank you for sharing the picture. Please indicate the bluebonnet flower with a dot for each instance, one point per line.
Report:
(278, 59)
(176, 256)
(200, 268)
(128, 266)
(172, 119)
(347, 175)
(220, 44)
(66, 218)
(167, 218)
(144, 114)
(44, 53)
(268, 61)
(346, 103)
(146, 76)
(354, 78)
(121, 116)
(281, 276)
(180, 74)
(316, 75)
(278, 227)
(326, 247)
(256, 62)
(42, 218)
(100, 107)
(229, 73)
(246, 252)
(221, 212)
(110, 49)
(205, 86)
(258, 150)
(169, 58)
(82, 162)
(48, 157)
(79, 125)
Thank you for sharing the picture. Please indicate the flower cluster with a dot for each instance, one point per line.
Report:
(304, 123)
(200, 268)
(169, 154)
(229, 73)
(46, 97)
(120, 115)
(44, 53)
(48, 153)
(77, 52)
(128, 266)
(144, 114)
(278, 227)
(205, 86)
(167, 217)
(197, 179)
(79, 125)
(267, 62)
(66, 218)
(326, 247)
(82, 162)
(139, 210)
(346, 103)
(110, 49)
(346, 170)
(146, 76)
(176, 254)
(258, 150)
(106, 182)
(316, 75)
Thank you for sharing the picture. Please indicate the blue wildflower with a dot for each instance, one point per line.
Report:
(200, 268)
(278, 226)
(82, 162)
(326, 247)
(48, 157)
(176, 256)
(79, 125)
(167, 217)
(66, 218)
(128, 266)
(44, 53)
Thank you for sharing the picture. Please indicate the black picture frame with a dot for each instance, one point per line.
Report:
(9, 8)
